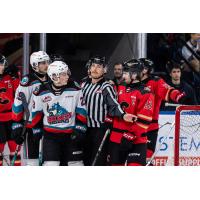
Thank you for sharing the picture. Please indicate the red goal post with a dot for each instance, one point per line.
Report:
(187, 124)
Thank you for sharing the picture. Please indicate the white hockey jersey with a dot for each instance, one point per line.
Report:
(27, 86)
(61, 113)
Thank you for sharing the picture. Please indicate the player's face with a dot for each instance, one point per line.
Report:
(62, 79)
(42, 67)
(118, 71)
(175, 74)
(2, 67)
(97, 71)
(126, 77)
(145, 71)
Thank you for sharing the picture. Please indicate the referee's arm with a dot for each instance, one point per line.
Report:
(114, 108)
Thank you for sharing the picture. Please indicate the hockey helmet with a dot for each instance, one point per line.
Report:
(56, 68)
(147, 63)
(37, 57)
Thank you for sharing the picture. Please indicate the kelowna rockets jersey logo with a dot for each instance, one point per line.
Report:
(58, 114)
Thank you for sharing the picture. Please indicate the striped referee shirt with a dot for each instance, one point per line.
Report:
(100, 99)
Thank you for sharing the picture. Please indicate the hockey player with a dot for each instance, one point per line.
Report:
(39, 62)
(8, 86)
(129, 140)
(61, 107)
(162, 92)
(100, 99)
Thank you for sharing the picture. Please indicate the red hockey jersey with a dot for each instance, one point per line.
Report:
(8, 86)
(162, 92)
(135, 100)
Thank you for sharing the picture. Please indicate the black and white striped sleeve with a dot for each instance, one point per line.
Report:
(109, 95)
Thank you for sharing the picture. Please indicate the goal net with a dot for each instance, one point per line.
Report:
(187, 136)
(178, 140)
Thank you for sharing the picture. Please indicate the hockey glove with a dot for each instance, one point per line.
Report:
(37, 133)
(181, 98)
(127, 141)
(17, 129)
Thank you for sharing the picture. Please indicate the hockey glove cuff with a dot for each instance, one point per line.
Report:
(17, 129)
(127, 141)
(37, 133)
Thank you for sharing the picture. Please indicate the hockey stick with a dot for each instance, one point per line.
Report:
(3, 156)
(158, 149)
(40, 151)
(173, 104)
(27, 114)
(100, 147)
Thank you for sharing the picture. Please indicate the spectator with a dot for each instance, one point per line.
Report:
(192, 75)
(175, 81)
(194, 44)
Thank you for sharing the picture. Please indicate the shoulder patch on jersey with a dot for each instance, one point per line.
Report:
(24, 80)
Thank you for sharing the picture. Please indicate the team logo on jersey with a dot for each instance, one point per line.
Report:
(124, 105)
(58, 114)
(148, 105)
(3, 97)
(46, 99)
(24, 80)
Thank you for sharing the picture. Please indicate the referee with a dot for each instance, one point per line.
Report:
(100, 99)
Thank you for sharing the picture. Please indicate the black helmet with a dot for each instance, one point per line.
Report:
(97, 60)
(147, 63)
(133, 66)
(3, 60)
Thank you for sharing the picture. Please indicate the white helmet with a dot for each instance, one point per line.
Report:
(38, 57)
(56, 68)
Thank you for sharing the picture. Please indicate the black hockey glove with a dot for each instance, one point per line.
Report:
(17, 129)
(37, 133)
(127, 141)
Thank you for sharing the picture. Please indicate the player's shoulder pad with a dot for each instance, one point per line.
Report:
(27, 80)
